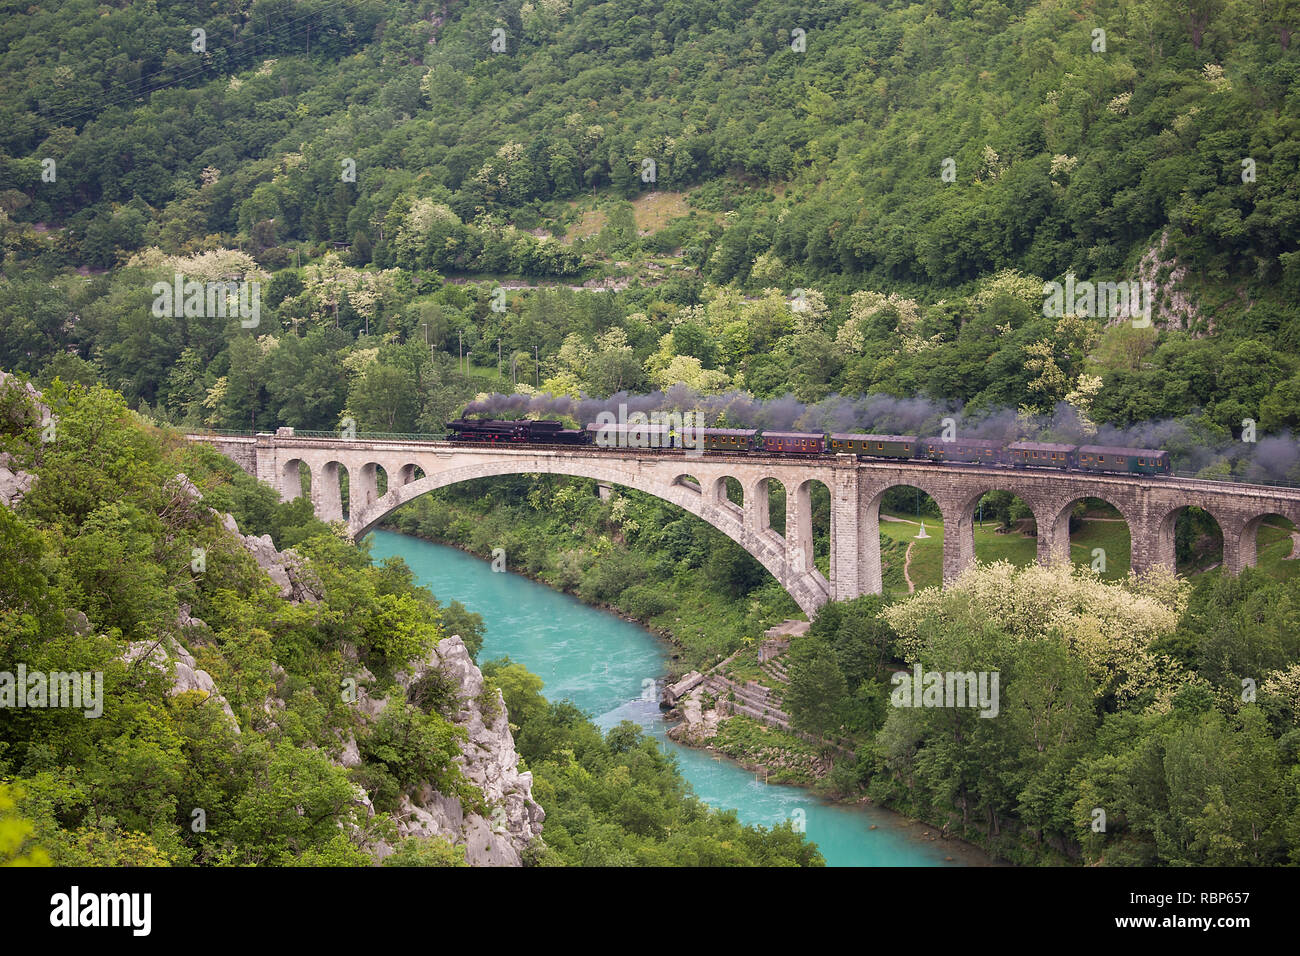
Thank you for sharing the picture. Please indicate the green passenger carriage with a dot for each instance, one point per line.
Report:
(737, 441)
(1113, 460)
(1034, 454)
(875, 446)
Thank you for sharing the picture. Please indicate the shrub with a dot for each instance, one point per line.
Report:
(644, 601)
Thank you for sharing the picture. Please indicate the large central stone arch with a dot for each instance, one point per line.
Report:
(795, 572)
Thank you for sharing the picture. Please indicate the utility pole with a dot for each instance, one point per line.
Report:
(537, 369)
(460, 348)
(498, 356)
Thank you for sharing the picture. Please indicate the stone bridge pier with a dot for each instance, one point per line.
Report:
(698, 484)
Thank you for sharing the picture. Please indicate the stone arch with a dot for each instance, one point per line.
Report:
(1054, 535)
(959, 523)
(689, 481)
(327, 491)
(1162, 532)
(408, 473)
(291, 479)
(870, 498)
(809, 588)
(369, 487)
(1248, 543)
(1007, 544)
(800, 522)
(757, 507)
(722, 487)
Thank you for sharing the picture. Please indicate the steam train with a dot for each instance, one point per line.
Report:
(1105, 459)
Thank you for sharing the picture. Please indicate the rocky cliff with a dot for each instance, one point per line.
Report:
(488, 760)
(15, 483)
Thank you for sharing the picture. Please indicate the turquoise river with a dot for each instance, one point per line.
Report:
(608, 667)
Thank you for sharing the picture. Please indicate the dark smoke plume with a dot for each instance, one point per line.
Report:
(1275, 458)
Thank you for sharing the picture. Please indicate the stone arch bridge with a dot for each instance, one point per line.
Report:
(698, 483)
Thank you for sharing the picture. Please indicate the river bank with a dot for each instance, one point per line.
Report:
(602, 662)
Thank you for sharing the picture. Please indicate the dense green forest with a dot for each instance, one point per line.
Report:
(815, 172)
(121, 790)
(1164, 712)
(830, 216)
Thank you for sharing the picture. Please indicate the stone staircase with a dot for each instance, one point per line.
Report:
(775, 670)
(750, 698)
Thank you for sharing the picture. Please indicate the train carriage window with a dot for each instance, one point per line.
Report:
(1120, 461)
(1142, 461)
(880, 445)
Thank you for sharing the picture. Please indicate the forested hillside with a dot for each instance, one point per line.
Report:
(1066, 156)
(829, 216)
(356, 160)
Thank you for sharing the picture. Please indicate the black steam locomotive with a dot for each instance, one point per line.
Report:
(523, 431)
(749, 441)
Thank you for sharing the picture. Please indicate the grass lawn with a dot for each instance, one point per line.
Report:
(1111, 537)
(655, 210)
(1274, 545)
(926, 569)
(592, 221)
